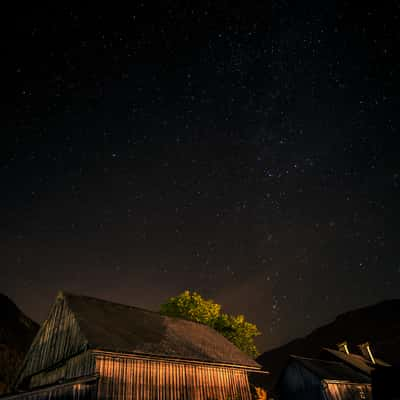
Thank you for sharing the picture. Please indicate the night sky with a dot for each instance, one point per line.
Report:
(250, 154)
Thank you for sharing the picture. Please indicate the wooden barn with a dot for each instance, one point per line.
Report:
(94, 349)
(383, 375)
(313, 379)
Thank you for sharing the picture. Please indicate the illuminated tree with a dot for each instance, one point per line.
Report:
(193, 307)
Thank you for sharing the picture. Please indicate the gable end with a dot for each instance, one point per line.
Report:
(58, 339)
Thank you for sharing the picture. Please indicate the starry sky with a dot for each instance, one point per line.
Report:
(248, 153)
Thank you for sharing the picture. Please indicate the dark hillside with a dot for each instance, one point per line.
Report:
(379, 324)
(16, 334)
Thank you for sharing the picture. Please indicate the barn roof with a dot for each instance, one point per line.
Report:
(332, 370)
(356, 360)
(126, 329)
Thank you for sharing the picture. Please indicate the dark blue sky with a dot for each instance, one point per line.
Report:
(250, 154)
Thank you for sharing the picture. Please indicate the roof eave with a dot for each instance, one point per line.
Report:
(136, 354)
(345, 382)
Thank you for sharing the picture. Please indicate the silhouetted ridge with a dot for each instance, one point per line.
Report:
(16, 334)
(379, 324)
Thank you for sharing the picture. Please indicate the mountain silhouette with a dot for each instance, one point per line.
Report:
(379, 324)
(16, 334)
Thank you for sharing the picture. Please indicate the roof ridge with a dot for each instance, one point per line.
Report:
(67, 294)
(98, 299)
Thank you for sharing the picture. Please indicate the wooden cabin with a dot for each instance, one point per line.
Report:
(382, 374)
(94, 349)
(313, 379)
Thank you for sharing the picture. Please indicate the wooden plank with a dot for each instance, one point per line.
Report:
(84, 388)
(164, 380)
(53, 342)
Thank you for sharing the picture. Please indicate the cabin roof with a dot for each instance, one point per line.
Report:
(356, 360)
(126, 329)
(332, 370)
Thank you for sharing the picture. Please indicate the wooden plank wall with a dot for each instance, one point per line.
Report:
(129, 378)
(346, 391)
(76, 391)
(82, 365)
(58, 338)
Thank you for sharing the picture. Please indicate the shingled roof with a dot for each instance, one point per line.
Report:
(120, 328)
(356, 360)
(332, 370)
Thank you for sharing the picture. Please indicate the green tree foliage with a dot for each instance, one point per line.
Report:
(240, 332)
(191, 306)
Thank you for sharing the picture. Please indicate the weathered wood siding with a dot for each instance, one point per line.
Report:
(82, 365)
(347, 391)
(148, 379)
(59, 338)
(73, 391)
